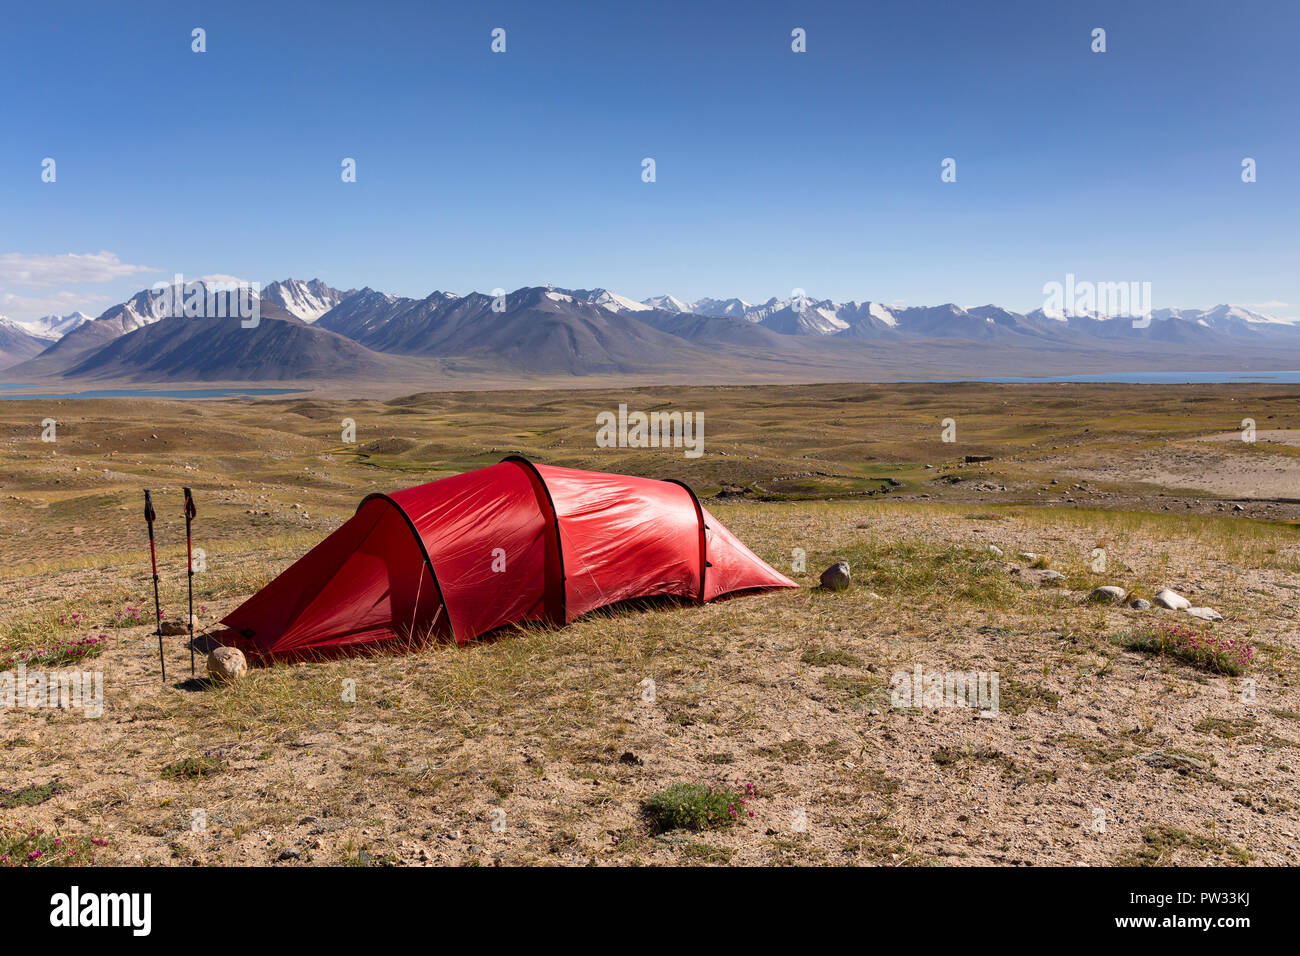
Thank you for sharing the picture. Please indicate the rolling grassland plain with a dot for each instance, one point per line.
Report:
(541, 746)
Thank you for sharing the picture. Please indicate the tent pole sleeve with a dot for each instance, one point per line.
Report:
(704, 540)
(547, 504)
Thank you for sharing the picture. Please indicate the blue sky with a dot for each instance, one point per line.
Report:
(775, 170)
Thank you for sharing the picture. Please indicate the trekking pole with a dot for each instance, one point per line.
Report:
(153, 561)
(190, 513)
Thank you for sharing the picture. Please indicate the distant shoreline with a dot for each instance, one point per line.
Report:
(233, 392)
(1282, 377)
(17, 391)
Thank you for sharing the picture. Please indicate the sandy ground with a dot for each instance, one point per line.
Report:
(540, 747)
(1238, 469)
(567, 747)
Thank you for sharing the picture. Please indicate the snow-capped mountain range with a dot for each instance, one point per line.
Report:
(551, 330)
(307, 300)
(799, 315)
(803, 315)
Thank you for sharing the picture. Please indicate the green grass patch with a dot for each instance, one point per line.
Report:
(1160, 843)
(865, 691)
(1264, 802)
(696, 806)
(790, 751)
(59, 653)
(1016, 697)
(133, 615)
(920, 570)
(706, 853)
(38, 848)
(827, 656)
(1226, 727)
(1098, 751)
(30, 796)
(192, 767)
(1195, 646)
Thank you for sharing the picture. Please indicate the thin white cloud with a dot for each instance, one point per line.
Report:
(220, 277)
(25, 308)
(1266, 305)
(67, 269)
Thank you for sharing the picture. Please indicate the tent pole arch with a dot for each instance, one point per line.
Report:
(419, 540)
(704, 540)
(548, 506)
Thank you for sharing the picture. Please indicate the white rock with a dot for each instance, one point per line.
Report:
(1108, 594)
(227, 664)
(1171, 599)
(995, 550)
(1029, 556)
(1204, 613)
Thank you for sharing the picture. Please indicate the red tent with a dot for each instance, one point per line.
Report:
(508, 543)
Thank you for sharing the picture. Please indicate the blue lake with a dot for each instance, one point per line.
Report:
(146, 393)
(1165, 378)
(12, 390)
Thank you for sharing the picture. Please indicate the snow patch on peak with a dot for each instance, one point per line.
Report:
(306, 300)
(54, 327)
(833, 321)
(609, 300)
(878, 311)
(667, 303)
(732, 308)
(1241, 314)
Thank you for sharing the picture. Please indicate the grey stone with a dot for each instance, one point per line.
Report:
(836, 577)
(1108, 594)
